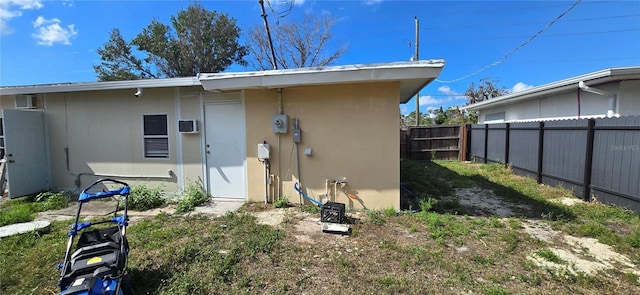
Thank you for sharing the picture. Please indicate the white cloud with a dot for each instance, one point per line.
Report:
(276, 3)
(372, 2)
(453, 95)
(520, 87)
(13, 8)
(448, 95)
(49, 32)
(430, 100)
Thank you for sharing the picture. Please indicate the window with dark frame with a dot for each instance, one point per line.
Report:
(156, 136)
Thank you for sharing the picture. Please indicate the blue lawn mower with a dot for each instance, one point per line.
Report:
(98, 263)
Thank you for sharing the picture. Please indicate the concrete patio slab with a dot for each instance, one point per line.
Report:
(20, 228)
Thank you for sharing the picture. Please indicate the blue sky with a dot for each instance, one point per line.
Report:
(56, 41)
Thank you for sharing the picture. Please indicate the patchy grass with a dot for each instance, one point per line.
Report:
(438, 250)
(24, 209)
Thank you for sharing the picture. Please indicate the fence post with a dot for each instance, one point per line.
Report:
(468, 142)
(540, 149)
(506, 145)
(462, 137)
(588, 161)
(486, 141)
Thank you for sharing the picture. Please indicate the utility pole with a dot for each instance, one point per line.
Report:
(416, 59)
(266, 26)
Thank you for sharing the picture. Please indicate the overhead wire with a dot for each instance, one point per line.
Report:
(495, 63)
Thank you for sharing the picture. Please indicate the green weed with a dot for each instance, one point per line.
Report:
(283, 202)
(390, 212)
(549, 255)
(313, 209)
(143, 198)
(376, 217)
(194, 195)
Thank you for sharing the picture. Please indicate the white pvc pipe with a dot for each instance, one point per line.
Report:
(612, 97)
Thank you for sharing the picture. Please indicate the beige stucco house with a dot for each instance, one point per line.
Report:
(321, 124)
(610, 92)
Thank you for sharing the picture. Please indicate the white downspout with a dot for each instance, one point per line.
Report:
(612, 110)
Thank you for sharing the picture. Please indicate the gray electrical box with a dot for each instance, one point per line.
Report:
(279, 123)
(297, 135)
(264, 151)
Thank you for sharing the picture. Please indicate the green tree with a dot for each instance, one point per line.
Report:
(198, 40)
(296, 45)
(486, 89)
(452, 115)
(410, 119)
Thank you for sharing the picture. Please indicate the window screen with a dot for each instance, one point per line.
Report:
(156, 136)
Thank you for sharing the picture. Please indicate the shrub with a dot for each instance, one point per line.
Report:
(194, 195)
(282, 202)
(143, 198)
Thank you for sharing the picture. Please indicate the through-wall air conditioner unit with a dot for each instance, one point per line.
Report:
(28, 101)
(188, 126)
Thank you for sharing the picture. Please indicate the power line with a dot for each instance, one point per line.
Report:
(499, 25)
(548, 35)
(495, 63)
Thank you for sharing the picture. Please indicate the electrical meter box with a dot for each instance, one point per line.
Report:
(264, 149)
(279, 123)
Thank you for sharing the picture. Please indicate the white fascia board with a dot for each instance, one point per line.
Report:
(93, 86)
(411, 75)
(599, 77)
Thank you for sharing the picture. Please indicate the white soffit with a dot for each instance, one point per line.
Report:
(412, 76)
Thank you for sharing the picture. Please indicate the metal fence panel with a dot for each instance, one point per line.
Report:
(616, 160)
(523, 146)
(496, 143)
(477, 141)
(564, 150)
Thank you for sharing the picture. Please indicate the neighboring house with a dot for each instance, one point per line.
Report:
(608, 93)
(172, 132)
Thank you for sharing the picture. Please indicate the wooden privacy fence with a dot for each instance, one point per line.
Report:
(593, 157)
(435, 142)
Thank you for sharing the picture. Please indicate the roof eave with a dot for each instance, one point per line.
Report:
(93, 86)
(594, 78)
(412, 76)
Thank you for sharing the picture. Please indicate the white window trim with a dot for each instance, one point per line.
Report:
(144, 153)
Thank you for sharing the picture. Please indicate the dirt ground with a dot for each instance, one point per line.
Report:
(578, 254)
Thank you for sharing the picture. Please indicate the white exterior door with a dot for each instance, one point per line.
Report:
(225, 149)
(27, 166)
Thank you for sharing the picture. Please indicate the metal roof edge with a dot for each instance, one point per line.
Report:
(555, 87)
(432, 63)
(92, 86)
(412, 76)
